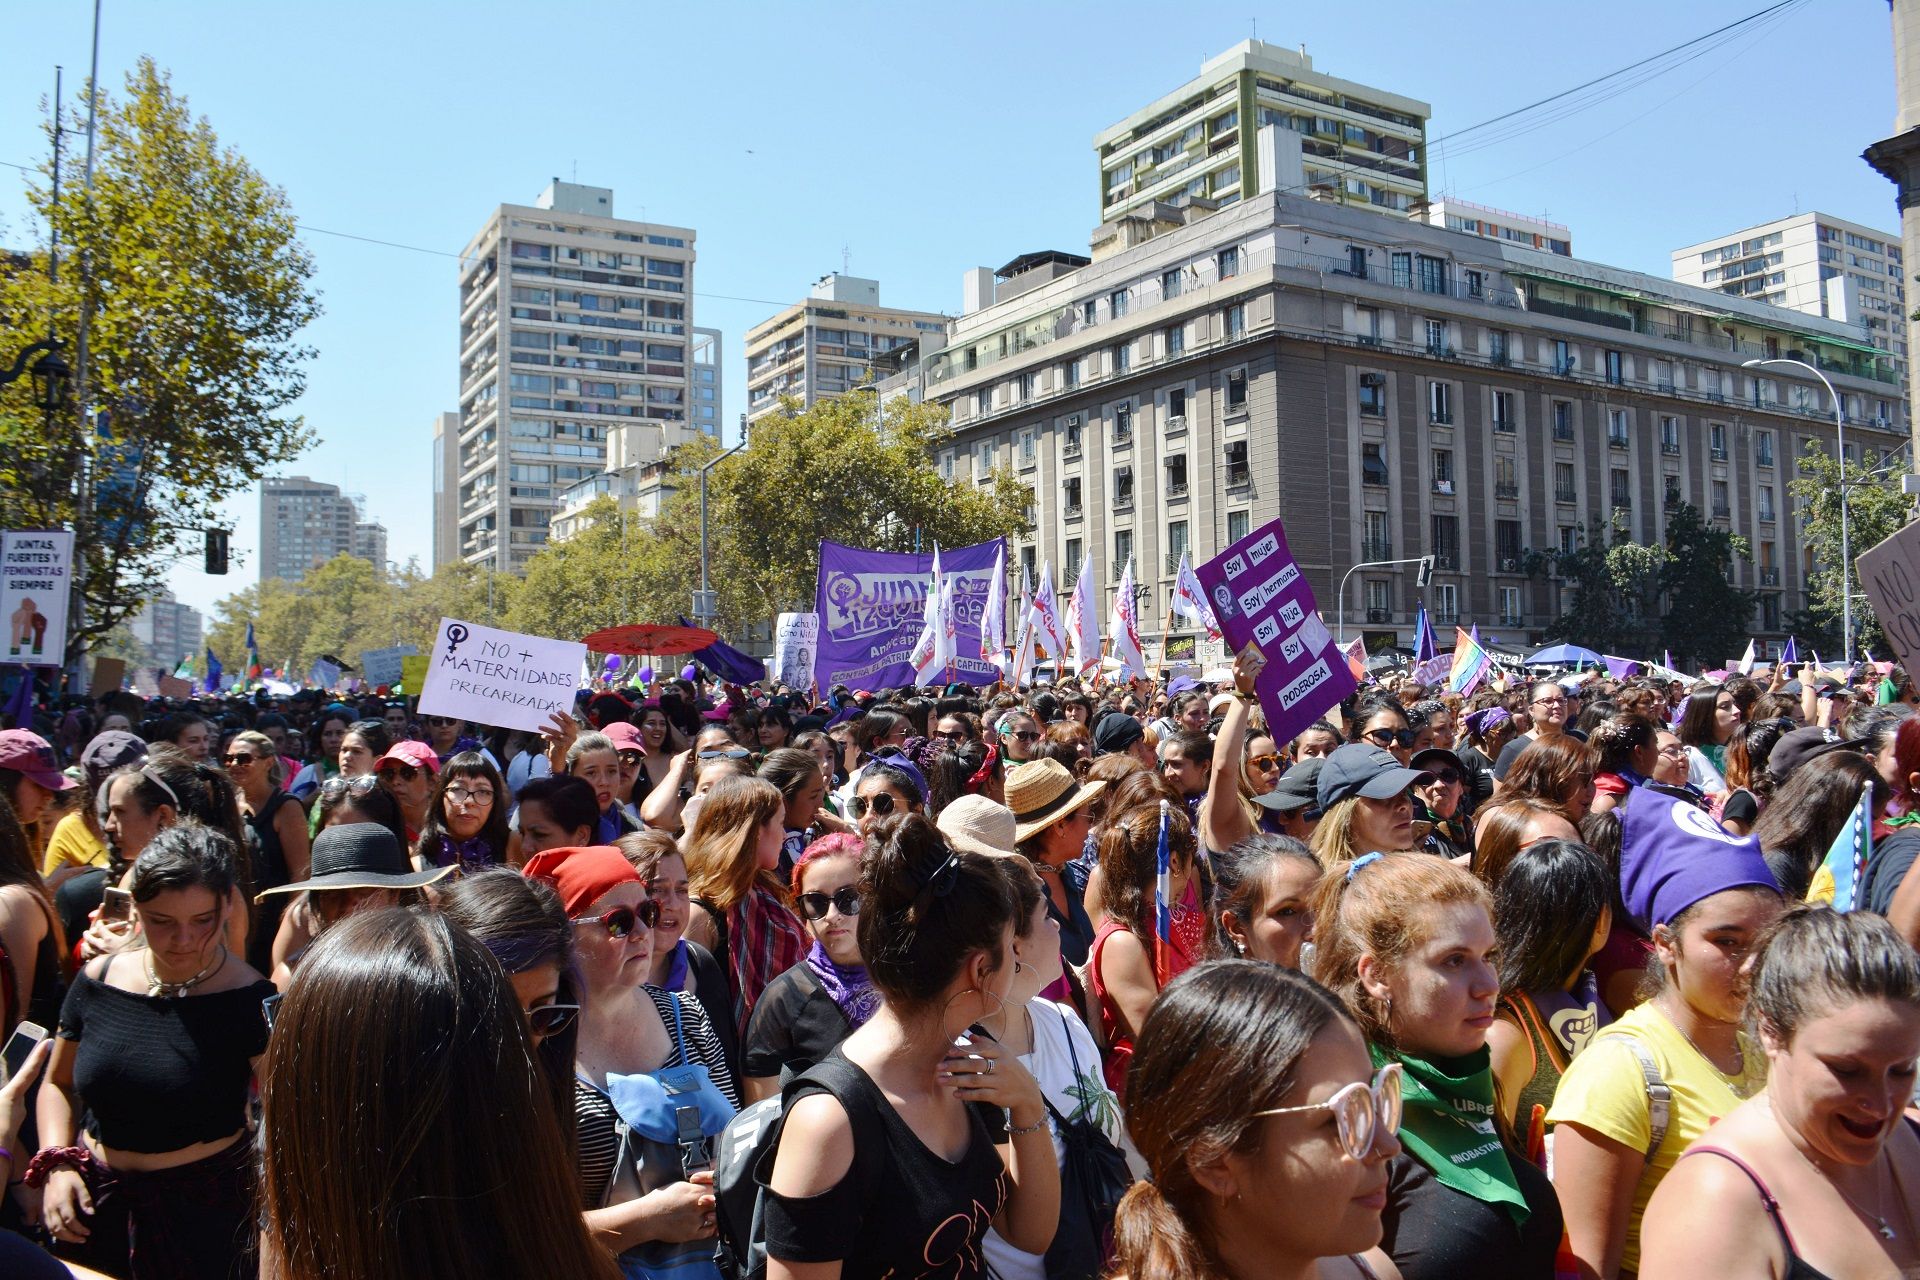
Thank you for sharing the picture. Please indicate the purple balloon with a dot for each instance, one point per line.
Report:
(646, 675)
(689, 672)
(613, 663)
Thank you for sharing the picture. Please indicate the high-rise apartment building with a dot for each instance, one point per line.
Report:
(304, 523)
(1361, 145)
(446, 486)
(1522, 229)
(168, 630)
(824, 346)
(576, 356)
(1813, 263)
(1392, 389)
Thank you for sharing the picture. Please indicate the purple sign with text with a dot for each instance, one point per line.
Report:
(871, 604)
(1260, 597)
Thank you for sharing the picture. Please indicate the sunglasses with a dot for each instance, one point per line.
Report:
(551, 1019)
(1389, 737)
(462, 795)
(239, 758)
(1270, 760)
(621, 921)
(1446, 777)
(736, 753)
(334, 788)
(631, 758)
(1021, 735)
(882, 805)
(952, 735)
(443, 721)
(1362, 1111)
(404, 772)
(813, 906)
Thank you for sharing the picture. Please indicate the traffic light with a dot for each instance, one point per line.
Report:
(216, 551)
(1425, 574)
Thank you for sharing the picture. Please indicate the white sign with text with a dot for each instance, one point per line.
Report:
(492, 677)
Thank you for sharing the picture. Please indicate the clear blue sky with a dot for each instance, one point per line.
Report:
(921, 139)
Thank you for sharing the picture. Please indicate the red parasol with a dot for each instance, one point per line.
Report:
(649, 639)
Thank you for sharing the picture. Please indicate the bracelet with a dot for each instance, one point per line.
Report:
(47, 1159)
(1244, 697)
(1035, 1127)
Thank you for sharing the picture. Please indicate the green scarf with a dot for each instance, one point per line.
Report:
(1448, 1126)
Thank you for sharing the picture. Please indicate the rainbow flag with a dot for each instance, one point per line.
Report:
(1842, 874)
(1470, 662)
(1163, 904)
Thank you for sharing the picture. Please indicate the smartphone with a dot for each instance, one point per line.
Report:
(117, 905)
(20, 1046)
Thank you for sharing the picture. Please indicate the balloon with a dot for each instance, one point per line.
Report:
(612, 663)
(690, 672)
(646, 675)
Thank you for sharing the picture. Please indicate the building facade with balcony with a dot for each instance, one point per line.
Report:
(826, 345)
(576, 356)
(1522, 229)
(1360, 145)
(304, 523)
(1391, 389)
(1813, 263)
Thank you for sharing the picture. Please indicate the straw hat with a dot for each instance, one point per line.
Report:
(1041, 792)
(978, 825)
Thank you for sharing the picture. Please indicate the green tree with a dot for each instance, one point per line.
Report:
(1607, 582)
(1706, 618)
(1876, 510)
(189, 265)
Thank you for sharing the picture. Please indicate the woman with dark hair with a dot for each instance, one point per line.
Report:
(803, 791)
(362, 746)
(1509, 825)
(323, 746)
(1546, 703)
(1252, 1089)
(158, 1046)
(1262, 900)
(883, 1165)
(32, 943)
(1406, 941)
(1814, 1176)
(739, 910)
(1126, 969)
(1382, 722)
(1626, 752)
(79, 842)
(1712, 717)
(662, 743)
(466, 825)
(558, 811)
(1814, 806)
(888, 785)
(775, 729)
(1750, 784)
(1551, 914)
(357, 866)
(30, 779)
(523, 923)
(638, 1048)
(1558, 770)
(403, 1058)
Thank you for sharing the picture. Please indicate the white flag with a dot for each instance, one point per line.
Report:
(1190, 600)
(1124, 627)
(1746, 660)
(1051, 633)
(1026, 603)
(993, 619)
(1083, 620)
(925, 657)
(947, 636)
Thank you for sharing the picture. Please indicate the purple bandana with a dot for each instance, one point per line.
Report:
(848, 987)
(1673, 855)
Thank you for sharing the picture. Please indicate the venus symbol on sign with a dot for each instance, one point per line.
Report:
(456, 636)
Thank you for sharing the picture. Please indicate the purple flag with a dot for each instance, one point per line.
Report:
(1621, 668)
(728, 662)
(1789, 655)
(19, 710)
(871, 604)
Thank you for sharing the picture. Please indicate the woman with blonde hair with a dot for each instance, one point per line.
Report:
(739, 909)
(1366, 803)
(278, 823)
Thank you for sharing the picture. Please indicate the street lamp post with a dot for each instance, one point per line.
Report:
(703, 605)
(1846, 540)
(1340, 605)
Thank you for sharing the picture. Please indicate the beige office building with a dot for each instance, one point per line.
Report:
(824, 346)
(1361, 145)
(304, 523)
(576, 330)
(1392, 389)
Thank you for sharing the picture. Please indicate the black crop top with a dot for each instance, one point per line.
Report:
(161, 1073)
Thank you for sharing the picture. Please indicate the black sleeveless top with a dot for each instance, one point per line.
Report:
(270, 871)
(902, 1211)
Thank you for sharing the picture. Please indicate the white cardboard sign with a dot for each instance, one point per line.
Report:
(796, 639)
(35, 584)
(492, 677)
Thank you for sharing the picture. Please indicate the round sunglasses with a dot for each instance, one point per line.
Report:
(813, 906)
(882, 805)
(621, 921)
(1361, 1111)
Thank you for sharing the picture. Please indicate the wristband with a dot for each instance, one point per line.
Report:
(47, 1159)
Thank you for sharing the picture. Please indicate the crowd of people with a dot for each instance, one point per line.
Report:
(1081, 981)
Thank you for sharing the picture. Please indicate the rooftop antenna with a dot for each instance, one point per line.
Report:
(846, 260)
(576, 171)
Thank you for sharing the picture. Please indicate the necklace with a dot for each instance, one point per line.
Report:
(174, 990)
(1880, 1223)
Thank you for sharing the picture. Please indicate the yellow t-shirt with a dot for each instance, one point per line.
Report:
(1605, 1090)
(72, 844)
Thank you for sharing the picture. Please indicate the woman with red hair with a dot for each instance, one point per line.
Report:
(1889, 888)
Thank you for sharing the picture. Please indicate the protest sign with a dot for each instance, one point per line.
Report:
(796, 640)
(108, 673)
(871, 605)
(1890, 573)
(175, 688)
(492, 677)
(1261, 598)
(35, 583)
(382, 666)
(413, 672)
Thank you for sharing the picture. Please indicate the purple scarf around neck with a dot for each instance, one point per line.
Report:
(848, 987)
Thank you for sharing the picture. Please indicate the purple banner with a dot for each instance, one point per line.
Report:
(871, 604)
(1261, 597)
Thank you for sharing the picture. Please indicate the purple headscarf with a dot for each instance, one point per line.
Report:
(1673, 855)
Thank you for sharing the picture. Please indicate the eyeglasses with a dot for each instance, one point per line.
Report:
(1549, 702)
(813, 906)
(333, 788)
(1389, 737)
(239, 758)
(1362, 1111)
(404, 772)
(551, 1019)
(1676, 749)
(464, 795)
(1021, 735)
(1270, 760)
(882, 805)
(620, 921)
